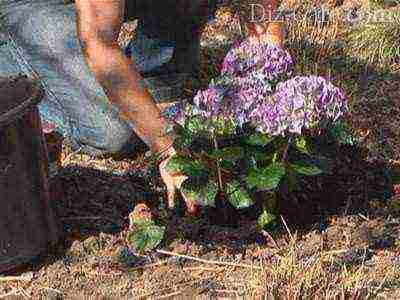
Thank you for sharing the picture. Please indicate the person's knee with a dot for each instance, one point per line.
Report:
(48, 28)
(105, 140)
(99, 133)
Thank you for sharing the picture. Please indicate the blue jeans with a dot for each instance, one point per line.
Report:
(38, 38)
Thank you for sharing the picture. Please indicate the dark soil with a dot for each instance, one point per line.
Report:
(93, 259)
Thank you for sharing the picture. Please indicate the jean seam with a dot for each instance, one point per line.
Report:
(28, 68)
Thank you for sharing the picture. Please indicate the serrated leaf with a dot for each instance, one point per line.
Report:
(302, 145)
(258, 139)
(185, 165)
(238, 196)
(223, 127)
(229, 153)
(228, 165)
(306, 168)
(262, 156)
(267, 178)
(266, 219)
(145, 238)
(195, 125)
(203, 194)
(183, 140)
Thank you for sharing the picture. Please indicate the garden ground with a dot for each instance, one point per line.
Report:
(339, 235)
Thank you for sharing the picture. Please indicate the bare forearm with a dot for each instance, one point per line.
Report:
(123, 87)
(261, 19)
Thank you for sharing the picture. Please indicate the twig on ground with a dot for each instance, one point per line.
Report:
(199, 269)
(363, 217)
(169, 295)
(213, 262)
(51, 289)
(14, 278)
(266, 234)
(287, 228)
(151, 265)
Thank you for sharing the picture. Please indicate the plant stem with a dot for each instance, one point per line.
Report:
(220, 183)
(286, 151)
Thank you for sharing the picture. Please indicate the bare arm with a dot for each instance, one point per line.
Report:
(262, 24)
(98, 25)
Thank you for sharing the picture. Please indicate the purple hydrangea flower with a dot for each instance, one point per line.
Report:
(246, 93)
(208, 102)
(299, 103)
(178, 112)
(245, 57)
(232, 97)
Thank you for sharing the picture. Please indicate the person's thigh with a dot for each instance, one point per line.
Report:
(43, 44)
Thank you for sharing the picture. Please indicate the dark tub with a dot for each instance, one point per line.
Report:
(27, 225)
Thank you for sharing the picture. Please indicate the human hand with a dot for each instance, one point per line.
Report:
(173, 182)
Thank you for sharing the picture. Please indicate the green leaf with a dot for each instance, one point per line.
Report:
(145, 238)
(266, 220)
(260, 156)
(270, 201)
(183, 140)
(203, 194)
(229, 153)
(258, 139)
(267, 178)
(238, 196)
(306, 168)
(303, 145)
(195, 125)
(186, 165)
(227, 165)
(223, 127)
(342, 134)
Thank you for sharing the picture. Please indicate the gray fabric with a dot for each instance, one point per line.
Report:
(38, 38)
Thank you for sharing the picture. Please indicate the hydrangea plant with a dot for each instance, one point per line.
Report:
(251, 130)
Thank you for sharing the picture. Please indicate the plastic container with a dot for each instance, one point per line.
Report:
(27, 224)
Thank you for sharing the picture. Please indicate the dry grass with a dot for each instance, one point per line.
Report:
(312, 41)
(324, 276)
(376, 43)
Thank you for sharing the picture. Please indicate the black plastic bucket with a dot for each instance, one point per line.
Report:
(27, 224)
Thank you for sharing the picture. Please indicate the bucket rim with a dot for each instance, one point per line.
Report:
(19, 110)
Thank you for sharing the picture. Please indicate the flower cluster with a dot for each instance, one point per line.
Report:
(251, 90)
(302, 102)
(232, 97)
(208, 102)
(270, 60)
